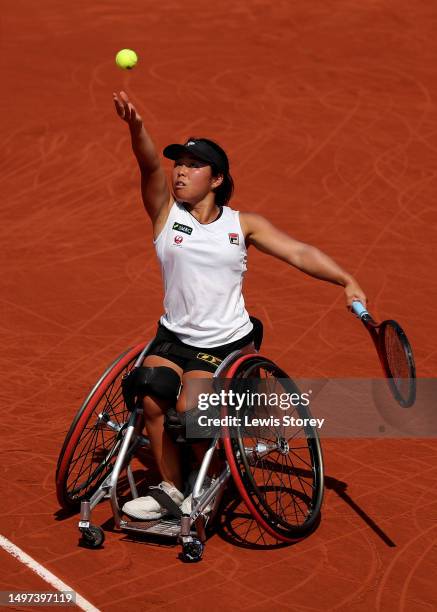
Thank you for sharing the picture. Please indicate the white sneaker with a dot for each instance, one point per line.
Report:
(187, 504)
(147, 508)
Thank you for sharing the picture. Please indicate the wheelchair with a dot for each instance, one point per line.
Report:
(278, 473)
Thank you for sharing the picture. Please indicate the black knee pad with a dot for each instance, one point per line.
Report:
(162, 382)
(184, 427)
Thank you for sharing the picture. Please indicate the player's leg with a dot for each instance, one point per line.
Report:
(186, 403)
(165, 451)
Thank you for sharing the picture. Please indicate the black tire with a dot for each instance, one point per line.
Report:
(91, 445)
(277, 470)
(92, 537)
(192, 551)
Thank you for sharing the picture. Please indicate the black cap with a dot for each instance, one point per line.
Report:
(203, 149)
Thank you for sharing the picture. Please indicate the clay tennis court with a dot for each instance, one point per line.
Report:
(328, 113)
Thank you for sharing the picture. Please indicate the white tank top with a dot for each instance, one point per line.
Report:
(203, 266)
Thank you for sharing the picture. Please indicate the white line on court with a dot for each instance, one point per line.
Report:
(44, 573)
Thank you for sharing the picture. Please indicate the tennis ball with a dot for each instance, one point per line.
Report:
(126, 59)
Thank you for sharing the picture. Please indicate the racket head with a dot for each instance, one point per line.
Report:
(397, 356)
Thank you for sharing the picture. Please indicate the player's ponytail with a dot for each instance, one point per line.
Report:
(223, 192)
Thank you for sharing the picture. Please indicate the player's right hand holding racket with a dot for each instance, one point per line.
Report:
(395, 354)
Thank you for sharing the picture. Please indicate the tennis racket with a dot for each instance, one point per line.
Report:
(395, 354)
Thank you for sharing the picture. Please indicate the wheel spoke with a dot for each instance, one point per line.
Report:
(281, 471)
(91, 447)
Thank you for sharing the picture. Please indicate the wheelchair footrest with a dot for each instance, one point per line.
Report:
(168, 527)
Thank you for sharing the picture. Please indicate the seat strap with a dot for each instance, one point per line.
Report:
(165, 500)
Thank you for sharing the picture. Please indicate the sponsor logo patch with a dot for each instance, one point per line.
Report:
(215, 361)
(180, 227)
(234, 238)
(178, 239)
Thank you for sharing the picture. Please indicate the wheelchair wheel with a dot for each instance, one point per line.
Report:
(92, 537)
(92, 442)
(277, 469)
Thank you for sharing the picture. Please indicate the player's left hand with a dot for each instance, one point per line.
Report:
(127, 111)
(353, 293)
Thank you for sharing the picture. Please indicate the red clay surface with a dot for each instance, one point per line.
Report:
(328, 112)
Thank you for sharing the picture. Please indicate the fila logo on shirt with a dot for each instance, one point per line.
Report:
(234, 238)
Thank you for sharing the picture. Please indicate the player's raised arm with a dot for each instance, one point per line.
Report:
(154, 187)
(268, 239)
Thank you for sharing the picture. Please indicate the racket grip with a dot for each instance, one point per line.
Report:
(359, 309)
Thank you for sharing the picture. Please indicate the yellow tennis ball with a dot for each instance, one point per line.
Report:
(126, 59)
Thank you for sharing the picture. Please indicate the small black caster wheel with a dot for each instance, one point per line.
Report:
(192, 551)
(92, 536)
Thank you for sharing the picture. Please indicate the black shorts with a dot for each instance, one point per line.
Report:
(191, 363)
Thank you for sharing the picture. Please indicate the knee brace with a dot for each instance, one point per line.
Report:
(160, 381)
(184, 427)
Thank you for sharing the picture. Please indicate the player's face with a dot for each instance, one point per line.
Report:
(192, 179)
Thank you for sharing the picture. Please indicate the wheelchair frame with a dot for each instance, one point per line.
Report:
(190, 530)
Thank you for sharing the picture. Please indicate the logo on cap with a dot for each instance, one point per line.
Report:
(190, 143)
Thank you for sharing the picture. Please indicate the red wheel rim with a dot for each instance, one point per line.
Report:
(234, 468)
(73, 437)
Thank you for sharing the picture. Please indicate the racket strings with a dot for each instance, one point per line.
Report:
(397, 360)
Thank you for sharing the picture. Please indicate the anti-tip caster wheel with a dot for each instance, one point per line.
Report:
(92, 536)
(192, 551)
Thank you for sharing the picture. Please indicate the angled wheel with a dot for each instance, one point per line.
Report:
(192, 551)
(92, 537)
(92, 442)
(277, 468)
